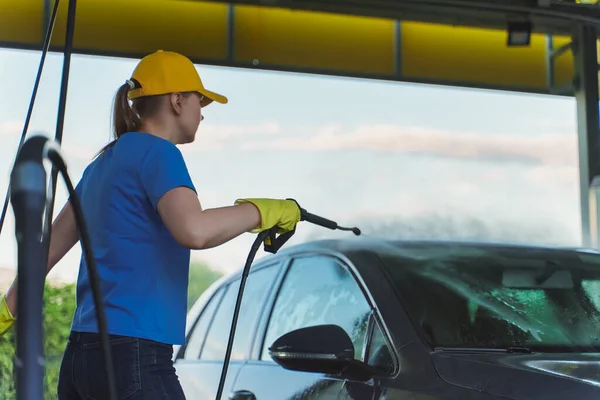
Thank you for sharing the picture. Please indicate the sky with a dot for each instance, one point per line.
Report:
(398, 159)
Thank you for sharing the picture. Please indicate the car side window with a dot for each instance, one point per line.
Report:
(379, 354)
(257, 286)
(319, 290)
(196, 338)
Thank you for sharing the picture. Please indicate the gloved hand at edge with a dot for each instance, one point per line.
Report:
(284, 214)
(6, 318)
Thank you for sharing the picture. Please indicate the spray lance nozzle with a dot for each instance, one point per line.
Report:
(273, 242)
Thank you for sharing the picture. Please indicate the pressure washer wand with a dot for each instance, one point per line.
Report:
(324, 222)
(272, 243)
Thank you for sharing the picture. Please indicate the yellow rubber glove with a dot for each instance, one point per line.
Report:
(6, 318)
(284, 214)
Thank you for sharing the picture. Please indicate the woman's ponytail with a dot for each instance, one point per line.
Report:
(124, 118)
(128, 118)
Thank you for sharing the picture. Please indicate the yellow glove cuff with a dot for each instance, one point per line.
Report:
(6, 318)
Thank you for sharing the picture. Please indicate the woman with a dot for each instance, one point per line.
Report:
(144, 216)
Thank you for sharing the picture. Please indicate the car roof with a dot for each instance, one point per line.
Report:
(383, 246)
(352, 248)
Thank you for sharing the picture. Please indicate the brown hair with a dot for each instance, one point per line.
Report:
(126, 117)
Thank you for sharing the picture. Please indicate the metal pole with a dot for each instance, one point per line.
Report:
(36, 85)
(549, 62)
(586, 95)
(62, 104)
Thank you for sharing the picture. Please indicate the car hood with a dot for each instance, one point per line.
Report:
(522, 376)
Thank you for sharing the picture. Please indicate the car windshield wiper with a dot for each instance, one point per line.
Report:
(510, 349)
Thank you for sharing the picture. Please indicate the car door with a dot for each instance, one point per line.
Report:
(316, 289)
(199, 367)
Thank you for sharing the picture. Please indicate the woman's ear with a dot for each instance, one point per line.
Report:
(176, 100)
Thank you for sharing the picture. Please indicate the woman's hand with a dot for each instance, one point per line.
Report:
(283, 214)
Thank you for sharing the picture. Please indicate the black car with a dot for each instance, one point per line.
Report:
(380, 319)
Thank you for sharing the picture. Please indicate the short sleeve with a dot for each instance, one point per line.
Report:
(79, 187)
(162, 170)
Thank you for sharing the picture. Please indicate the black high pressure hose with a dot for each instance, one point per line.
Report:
(272, 244)
(58, 161)
(29, 198)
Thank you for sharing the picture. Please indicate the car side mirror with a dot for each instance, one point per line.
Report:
(323, 348)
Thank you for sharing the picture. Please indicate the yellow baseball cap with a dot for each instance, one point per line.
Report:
(165, 72)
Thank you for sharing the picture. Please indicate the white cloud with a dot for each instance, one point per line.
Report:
(229, 131)
(201, 144)
(496, 175)
(214, 137)
(546, 149)
(563, 175)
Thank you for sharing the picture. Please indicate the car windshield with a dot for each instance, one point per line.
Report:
(492, 299)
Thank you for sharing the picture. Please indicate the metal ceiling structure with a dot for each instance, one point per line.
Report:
(556, 17)
(304, 36)
(448, 42)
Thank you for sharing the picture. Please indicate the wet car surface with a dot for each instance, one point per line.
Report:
(374, 319)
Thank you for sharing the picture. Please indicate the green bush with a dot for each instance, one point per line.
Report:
(201, 277)
(58, 311)
(7, 382)
(59, 306)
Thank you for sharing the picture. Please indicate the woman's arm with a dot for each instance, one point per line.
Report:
(195, 228)
(64, 236)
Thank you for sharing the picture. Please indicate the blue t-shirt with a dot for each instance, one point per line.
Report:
(142, 269)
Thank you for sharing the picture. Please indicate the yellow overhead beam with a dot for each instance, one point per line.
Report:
(280, 39)
(479, 57)
(137, 27)
(21, 22)
(317, 41)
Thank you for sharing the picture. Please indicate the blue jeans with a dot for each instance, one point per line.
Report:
(143, 369)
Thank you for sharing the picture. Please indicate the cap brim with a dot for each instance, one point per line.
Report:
(209, 97)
